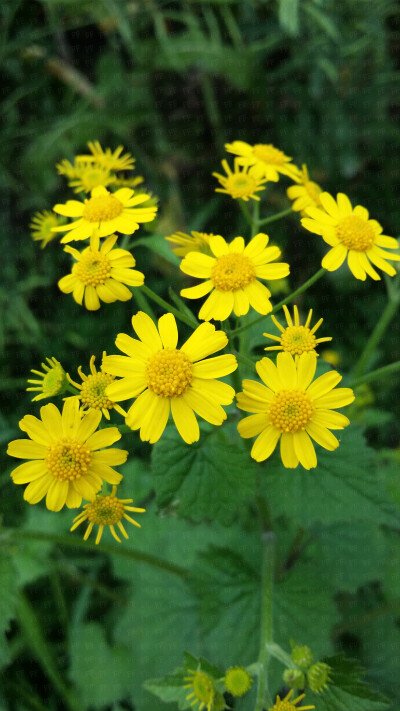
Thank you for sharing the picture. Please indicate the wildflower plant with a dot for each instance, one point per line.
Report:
(216, 435)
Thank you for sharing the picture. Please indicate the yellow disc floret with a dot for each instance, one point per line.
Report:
(169, 373)
(291, 410)
(232, 271)
(297, 340)
(105, 511)
(237, 681)
(68, 459)
(93, 391)
(355, 233)
(93, 268)
(102, 208)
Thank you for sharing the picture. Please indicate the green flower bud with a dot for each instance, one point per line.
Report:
(318, 677)
(237, 681)
(294, 678)
(302, 656)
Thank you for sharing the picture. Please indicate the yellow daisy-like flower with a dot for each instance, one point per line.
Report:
(93, 390)
(240, 183)
(268, 160)
(107, 158)
(52, 380)
(166, 379)
(287, 704)
(203, 691)
(109, 212)
(106, 511)
(66, 462)
(42, 227)
(232, 275)
(83, 176)
(305, 194)
(101, 274)
(351, 234)
(293, 409)
(296, 339)
(195, 242)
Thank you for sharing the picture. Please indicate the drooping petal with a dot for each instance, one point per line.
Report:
(185, 420)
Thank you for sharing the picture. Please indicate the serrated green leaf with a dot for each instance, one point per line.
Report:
(207, 480)
(172, 687)
(101, 674)
(343, 487)
(346, 691)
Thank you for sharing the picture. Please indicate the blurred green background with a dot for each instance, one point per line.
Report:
(172, 82)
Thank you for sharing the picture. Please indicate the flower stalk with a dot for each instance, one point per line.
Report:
(263, 695)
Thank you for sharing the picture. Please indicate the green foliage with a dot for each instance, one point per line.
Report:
(171, 687)
(347, 692)
(7, 602)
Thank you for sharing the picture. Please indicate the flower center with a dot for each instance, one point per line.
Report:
(93, 268)
(102, 208)
(297, 340)
(240, 185)
(105, 511)
(269, 154)
(232, 272)
(53, 381)
(169, 373)
(93, 391)
(355, 233)
(291, 410)
(284, 706)
(68, 459)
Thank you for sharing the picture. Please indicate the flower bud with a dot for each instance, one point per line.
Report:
(302, 656)
(237, 681)
(294, 678)
(318, 677)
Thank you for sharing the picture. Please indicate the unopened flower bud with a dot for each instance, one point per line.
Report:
(294, 678)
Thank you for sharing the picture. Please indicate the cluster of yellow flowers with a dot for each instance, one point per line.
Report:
(69, 459)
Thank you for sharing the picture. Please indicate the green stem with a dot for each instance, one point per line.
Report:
(245, 212)
(376, 374)
(263, 696)
(287, 300)
(75, 542)
(161, 302)
(255, 222)
(375, 337)
(278, 216)
(70, 389)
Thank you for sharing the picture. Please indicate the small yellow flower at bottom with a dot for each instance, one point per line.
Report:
(66, 462)
(240, 183)
(232, 274)
(292, 408)
(237, 681)
(101, 274)
(287, 704)
(52, 381)
(203, 693)
(106, 511)
(296, 339)
(93, 390)
(42, 225)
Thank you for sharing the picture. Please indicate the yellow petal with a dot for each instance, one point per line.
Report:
(168, 330)
(258, 295)
(324, 384)
(26, 449)
(218, 245)
(103, 438)
(289, 457)
(35, 429)
(57, 495)
(88, 425)
(322, 436)
(214, 389)
(147, 331)
(268, 372)
(265, 444)
(126, 388)
(185, 420)
(337, 398)
(71, 417)
(215, 367)
(28, 471)
(304, 450)
(36, 490)
(218, 306)
(287, 371)
(335, 258)
(204, 407)
(196, 292)
(204, 341)
(197, 265)
(355, 265)
(306, 367)
(253, 425)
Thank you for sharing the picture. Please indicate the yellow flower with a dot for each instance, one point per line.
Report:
(237, 681)
(110, 212)
(83, 176)
(291, 407)
(203, 691)
(100, 274)
(66, 462)
(195, 242)
(296, 339)
(268, 160)
(305, 194)
(332, 357)
(351, 234)
(93, 390)
(52, 381)
(106, 511)
(287, 705)
(108, 159)
(238, 183)
(232, 276)
(163, 378)
(42, 227)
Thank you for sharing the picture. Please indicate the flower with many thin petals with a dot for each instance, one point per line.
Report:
(112, 160)
(109, 212)
(166, 379)
(242, 182)
(83, 176)
(67, 464)
(268, 160)
(42, 227)
(296, 339)
(52, 380)
(287, 704)
(305, 194)
(92, 390)
(101, 274)
(292, 408)
(351, 234)
(232, 275)
(106, 511)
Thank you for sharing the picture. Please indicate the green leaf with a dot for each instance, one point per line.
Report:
(346, 691)
(343, 487)
(171, 687)
(289, 16)
(8, 592)
(101, 673)
(158, 245)
(210, 479)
